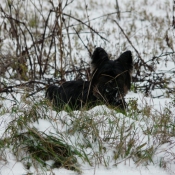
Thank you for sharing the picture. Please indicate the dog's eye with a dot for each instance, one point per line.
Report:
(107, 90)
(116, 95)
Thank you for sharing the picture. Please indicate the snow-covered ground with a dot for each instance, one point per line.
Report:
(147, 24)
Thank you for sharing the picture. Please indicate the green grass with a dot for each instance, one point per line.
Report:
(95, 137)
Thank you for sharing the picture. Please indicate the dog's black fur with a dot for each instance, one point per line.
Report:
(109, 83)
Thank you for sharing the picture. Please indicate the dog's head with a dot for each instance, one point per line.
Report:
(111, 80)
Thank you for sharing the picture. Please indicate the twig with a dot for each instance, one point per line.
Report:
(10, 88)
(118, 10)
(173, 22)
(149, 67)
(86, 26)
(82, 42)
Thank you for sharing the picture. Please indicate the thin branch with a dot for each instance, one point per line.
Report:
(82, 42)
(86, 26)
(149, 67)
(10, 88)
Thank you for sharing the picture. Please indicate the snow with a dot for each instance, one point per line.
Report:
(9, 165)
(16, 168)
(125, 167)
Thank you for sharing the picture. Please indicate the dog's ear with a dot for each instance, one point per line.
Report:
(99, 56)
(125, 59)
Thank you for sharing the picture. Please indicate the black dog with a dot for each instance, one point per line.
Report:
(109, 83)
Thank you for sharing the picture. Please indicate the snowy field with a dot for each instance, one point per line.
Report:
(102, 141)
